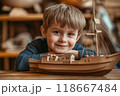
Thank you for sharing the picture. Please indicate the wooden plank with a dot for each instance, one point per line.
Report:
(28, 17)
(8, 54)
(14, 75)
(87, 15)
(4, 31)
(11, 30)
(112, 3)
(6, 64)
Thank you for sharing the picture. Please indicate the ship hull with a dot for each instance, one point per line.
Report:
(97, 65)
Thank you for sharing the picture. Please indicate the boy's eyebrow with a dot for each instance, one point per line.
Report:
(72, 30)
(57, 29)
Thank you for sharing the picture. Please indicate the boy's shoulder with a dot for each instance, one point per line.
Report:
(41, 39)
(78, 46)
(38, 42)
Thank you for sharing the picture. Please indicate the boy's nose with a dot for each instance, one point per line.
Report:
(62, 39)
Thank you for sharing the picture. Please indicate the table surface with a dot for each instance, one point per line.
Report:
(14, 75)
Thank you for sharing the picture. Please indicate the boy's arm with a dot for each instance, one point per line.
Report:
(79, 51)
(33, 50)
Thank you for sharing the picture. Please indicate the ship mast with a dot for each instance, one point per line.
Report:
(94, 24)
(95, 21)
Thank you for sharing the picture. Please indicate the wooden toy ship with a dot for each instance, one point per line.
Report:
(66, 63)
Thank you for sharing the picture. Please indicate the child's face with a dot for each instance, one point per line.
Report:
(61, 40)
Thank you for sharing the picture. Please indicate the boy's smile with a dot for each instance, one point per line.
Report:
(60, 40)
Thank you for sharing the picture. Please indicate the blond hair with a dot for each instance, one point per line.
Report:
(64, 14)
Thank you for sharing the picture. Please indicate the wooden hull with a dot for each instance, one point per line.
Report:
(97, 65)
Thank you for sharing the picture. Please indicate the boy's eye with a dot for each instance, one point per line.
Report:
(56, 32)
(70, 34)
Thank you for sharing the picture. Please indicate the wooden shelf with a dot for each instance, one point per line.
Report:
(29, 17)
(87, 15)
(8, 54)
(4, 18)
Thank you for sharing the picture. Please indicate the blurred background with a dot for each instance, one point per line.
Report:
(20, 22)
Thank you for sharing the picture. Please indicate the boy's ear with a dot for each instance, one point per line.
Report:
(78, 37)
(43, 33)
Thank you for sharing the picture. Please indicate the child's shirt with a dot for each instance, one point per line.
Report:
(39, 46)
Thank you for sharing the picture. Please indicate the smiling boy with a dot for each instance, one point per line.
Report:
(62, 27)
(61, 40)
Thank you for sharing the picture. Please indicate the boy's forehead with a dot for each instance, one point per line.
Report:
(58, 25)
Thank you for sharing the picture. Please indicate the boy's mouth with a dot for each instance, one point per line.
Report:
(61, 45)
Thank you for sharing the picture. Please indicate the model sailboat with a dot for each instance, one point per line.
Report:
(66, 63)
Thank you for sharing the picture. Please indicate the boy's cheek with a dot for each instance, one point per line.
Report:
(72, 42)
(51, 39)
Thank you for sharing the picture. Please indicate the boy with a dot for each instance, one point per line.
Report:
(62, 27)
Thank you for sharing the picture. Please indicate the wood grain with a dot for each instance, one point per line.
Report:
(14, 75)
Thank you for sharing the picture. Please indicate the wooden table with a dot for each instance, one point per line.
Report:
(14, 75)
